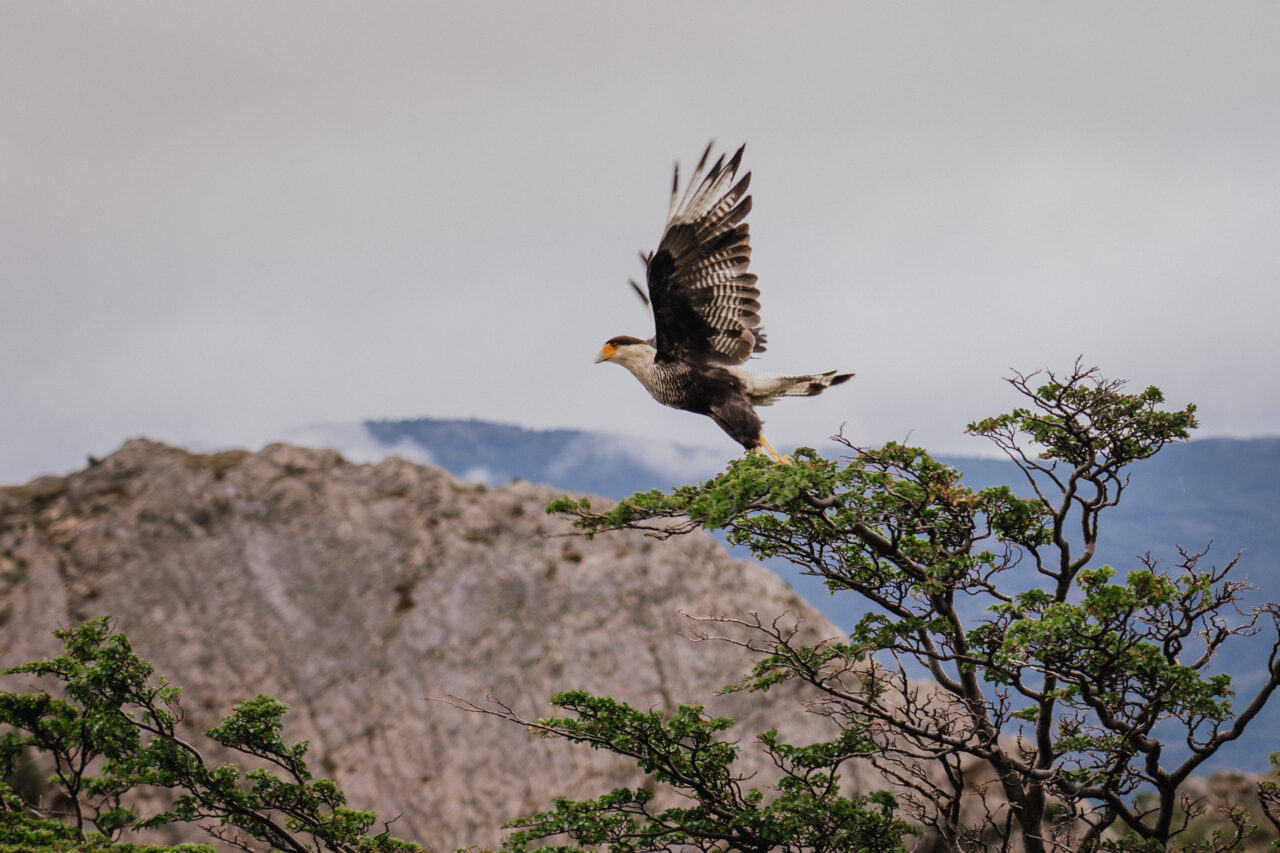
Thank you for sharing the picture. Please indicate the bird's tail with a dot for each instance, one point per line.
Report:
(764, 388)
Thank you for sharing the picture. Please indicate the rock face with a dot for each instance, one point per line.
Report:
(352, 592)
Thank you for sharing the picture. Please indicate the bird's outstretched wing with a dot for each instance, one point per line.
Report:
(704, 301)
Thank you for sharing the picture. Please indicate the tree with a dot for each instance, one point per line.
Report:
(1016, 694)
(112, 730)
(688, 754)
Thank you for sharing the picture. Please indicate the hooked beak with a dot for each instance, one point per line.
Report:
(606, 352)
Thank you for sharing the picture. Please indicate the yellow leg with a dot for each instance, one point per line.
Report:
(781, 460)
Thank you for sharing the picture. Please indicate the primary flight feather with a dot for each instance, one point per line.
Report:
(706, 311)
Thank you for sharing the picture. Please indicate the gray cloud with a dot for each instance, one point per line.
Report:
(222, 221)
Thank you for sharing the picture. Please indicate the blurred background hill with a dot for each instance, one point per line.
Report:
(1221, 494)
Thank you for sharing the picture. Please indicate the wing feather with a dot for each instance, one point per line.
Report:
(704, 301)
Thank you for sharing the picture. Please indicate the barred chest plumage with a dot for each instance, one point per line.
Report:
(669, 384)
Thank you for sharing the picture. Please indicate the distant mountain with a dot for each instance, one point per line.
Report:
(352, 592)
(490, 453)
(1224, 491)
(1220, 491)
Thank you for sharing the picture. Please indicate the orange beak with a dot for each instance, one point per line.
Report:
(607, 352)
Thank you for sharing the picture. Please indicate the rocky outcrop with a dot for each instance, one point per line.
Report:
(354, 591)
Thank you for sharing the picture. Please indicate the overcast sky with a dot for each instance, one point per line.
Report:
(225, 220)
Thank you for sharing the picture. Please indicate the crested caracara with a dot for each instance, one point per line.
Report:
(706, 312)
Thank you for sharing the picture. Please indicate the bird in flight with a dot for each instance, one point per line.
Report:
(706, 312)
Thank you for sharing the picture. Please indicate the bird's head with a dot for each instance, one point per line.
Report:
(619, 349)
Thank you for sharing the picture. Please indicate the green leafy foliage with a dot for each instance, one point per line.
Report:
(686, 752)
(1269, 797)
(113, 728)
(1047, 714)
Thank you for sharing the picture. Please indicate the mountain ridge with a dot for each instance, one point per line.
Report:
(352, 591)
(1220, 493)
